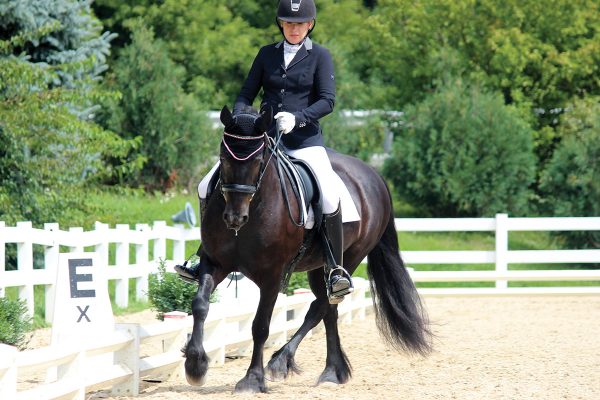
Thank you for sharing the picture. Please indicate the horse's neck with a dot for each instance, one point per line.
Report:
(269, 198)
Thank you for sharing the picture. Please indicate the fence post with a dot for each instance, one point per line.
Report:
(2, 257)
(501, 248)
(76, 232)
(25, 266)
(51, 265)
(8, 371)
(179, 245)
(122, 263)
(141, 260)
(129, 356)
(160, 243)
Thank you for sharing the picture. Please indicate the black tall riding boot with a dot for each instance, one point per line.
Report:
(337, 279)
(190, 274)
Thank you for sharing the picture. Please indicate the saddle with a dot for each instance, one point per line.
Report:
(305, 186)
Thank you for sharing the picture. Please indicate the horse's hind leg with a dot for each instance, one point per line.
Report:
(282, 362)
(337, 367)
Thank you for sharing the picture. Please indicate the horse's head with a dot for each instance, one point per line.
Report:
(242, 161)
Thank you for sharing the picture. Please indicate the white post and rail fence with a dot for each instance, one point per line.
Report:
(130, 255)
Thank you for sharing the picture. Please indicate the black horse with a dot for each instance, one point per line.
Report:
(249, 229)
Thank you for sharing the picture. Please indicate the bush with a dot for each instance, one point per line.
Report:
(357, 138)
(167, 292)
(570, 183)
(14, 322)
(463, 153)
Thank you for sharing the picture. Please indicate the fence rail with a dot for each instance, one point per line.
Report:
(227, 332)
(135, 253)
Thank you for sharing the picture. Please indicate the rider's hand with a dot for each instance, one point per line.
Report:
(285, 121)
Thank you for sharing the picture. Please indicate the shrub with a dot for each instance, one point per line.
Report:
(358, 138)
(570, 183)
(463, 153)
(167, 292)
(15, 322)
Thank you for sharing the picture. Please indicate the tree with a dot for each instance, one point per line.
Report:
(176, 138)
(463, 153)
(51, 150)
(539, 55)
(570, 183)
(214, 45)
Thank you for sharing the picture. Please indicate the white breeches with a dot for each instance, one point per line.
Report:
(332, 187)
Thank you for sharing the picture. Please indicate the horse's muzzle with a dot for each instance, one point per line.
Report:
(234, 220)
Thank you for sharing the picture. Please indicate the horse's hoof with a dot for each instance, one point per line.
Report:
(329, 375)
(194, 381)
(251, 385)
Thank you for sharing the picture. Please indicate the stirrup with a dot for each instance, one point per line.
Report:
(187, 274)
(340, 287)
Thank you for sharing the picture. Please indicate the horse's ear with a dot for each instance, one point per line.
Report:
(264, 121)
(226, 117)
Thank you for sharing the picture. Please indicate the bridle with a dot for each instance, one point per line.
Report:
(273, 148)
(239, 187)
(243, 188)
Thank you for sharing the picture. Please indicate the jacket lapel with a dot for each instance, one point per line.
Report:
(302, 53)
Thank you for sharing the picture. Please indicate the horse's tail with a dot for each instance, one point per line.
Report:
(400, 316)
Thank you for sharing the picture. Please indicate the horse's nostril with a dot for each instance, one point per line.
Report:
(225, 217)
(244, 219)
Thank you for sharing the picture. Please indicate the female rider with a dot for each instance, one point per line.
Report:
(298, 82)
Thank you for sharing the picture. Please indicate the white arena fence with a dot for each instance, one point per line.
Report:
(127, 255)
(135, 253)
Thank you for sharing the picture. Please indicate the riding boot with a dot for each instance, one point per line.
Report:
(337, 279)
(191, 274)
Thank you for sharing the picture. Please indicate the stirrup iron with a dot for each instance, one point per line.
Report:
(341, 287)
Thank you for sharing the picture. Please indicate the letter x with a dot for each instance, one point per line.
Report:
(83, 313)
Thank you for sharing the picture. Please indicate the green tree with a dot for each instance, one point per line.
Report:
(539, 55)
(214, 45)
(570, 183)
(463, 153)
(176, 138)
(51, 150)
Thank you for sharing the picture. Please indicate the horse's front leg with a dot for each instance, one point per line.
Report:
(196, 362)
(254, 381)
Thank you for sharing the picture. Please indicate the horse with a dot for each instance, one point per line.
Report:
(250, 227)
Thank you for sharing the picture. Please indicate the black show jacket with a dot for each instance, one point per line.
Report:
(306, 88)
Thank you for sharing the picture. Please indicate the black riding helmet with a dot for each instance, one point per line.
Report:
(296, 11)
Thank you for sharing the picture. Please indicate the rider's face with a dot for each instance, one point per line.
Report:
(295, 32)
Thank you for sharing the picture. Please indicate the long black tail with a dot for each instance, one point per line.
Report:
(400, 316)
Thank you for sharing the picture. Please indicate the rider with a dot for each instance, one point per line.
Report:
(298, 82)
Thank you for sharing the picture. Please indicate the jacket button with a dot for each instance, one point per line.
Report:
(279, 105)
(283, 76)
(282, 90)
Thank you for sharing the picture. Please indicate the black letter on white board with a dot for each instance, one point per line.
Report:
(74, 277)
(82, 313)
